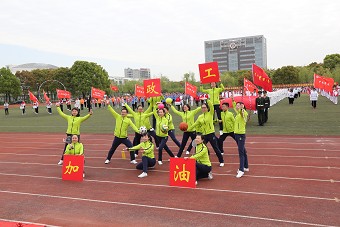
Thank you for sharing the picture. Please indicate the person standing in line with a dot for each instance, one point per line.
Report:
(89, 103)
(82, 101)
(73, 125)
(260, 108)
(291, 96)
(49, 107)
(36, 107)
(266, 106)
(188, 116)
(203, 164)
(214, 96)
(171, 130)
(148, 158)
(228, 121)
(162, 126)
(6, 106)
(121, 133)
(314, 97)
(241, 119)
(205, 123)
(23, 107)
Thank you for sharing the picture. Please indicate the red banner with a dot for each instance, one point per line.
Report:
(114, 88)
(63, 94)
(209, 72)
(183, 172)
(190, 89)
(152, 88)
(324, 83)
(260, 78)
(329, 83)
(226, 100)
(47, 99)
(97, 93)
(139, 91)
(249, 101)
(73, 167)
(32, 97)
(249, 86)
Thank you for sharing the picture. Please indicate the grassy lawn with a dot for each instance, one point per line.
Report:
(284, 119)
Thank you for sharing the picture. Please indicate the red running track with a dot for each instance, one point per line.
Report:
(292, 181)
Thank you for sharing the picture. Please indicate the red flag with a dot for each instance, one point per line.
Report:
(152, 87)
(261, 78)
(190, 89)
(226, 100)
(97, 93)
(182, 172)
(318, 81)
(249, 86)
(249, 101)
(139, 91)
(32, 97)
(63, 94)
(47, 99)
(209, 72)
(114, 88)
(329, 82)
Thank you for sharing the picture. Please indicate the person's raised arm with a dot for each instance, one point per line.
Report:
(113, 112)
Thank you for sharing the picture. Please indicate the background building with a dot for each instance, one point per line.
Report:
(142, 73)
(29, 67)
(237, 53)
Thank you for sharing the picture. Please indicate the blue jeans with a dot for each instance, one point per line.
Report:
(242, 152)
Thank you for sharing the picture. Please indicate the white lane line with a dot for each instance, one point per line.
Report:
(25, 222)
(251, 155)
(167, 186)
(162, 207)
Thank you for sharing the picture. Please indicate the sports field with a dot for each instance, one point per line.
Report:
(294, 176)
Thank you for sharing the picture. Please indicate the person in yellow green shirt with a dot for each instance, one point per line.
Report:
(171, 131)
(73, 124)
(203, 164)
(206, 124)
(214, 96)
(75, 148)
(162, 127)
(228, 121)
(241, 119)
(148, 158)
(120, 132)
(188, 116)
(153, 101)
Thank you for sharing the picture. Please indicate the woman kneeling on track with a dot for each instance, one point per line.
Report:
(75, 148)
(148, 158)
(203, 164)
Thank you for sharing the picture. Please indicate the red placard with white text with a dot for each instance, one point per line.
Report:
(183, 172)
(73, 167)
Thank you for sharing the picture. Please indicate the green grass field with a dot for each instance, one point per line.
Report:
(284, 119)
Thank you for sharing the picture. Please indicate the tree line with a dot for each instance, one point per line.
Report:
(83, 75)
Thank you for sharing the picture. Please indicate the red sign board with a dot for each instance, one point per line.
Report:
(139, 91)
(183, 172)
(209, 72)
(73, 167)
(152, 88)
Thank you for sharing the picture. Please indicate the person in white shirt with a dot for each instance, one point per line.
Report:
(6, 105)
(291, 97)
(314, 97)
(49, 107)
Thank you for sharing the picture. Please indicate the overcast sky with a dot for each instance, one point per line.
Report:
(166, 36)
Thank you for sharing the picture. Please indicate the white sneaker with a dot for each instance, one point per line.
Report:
(83, 175)
(176, 156)
(210, 176)
(107, 161)
(222, 153)
(133, 162)
(160, 163)
(187, 152)
(221, 132)
(239, 174)
(60, 162)
(221, 164)
(196, 183)
(246, 169)
(136, 155)
(144, 174)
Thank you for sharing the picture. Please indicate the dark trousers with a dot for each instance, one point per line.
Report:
(291, 101)
(213, 141)
(242, 152)
(266, 114)
(68, 135)
(153, 121)
(153, 134)
(81, 106)
(218, 112)
(222, 138)
(6, 111)
(23, 111)
(314, 104)
(186, 136)
(36, 110)
(260, 116)
(49, 110)
(171, 133)
(61, 107)
(118, 141)
(136, 140)
(146, 163)
(162, 144)
(202, 171)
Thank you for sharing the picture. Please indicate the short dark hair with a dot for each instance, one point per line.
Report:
(226, 104)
